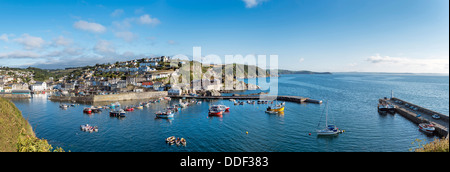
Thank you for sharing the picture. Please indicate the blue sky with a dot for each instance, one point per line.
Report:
(317, 35)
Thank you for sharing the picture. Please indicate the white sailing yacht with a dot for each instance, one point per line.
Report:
(330, 129)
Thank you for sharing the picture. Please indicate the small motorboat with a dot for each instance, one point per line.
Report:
(63, 106)
(382, 108)
(117, 113)
(215, 111)
(88, 128)
(390, 108)
(183, 141)
(129, 109)
(275, 109)
(436, 116)
(426, 127)
(224, 108)
(139, 107)
(87, 110)
(96, 110)
(169, 139)
(178, 141)
(166, 114)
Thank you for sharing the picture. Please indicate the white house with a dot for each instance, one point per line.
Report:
(39, 86)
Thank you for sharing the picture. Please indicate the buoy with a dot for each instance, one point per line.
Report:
(246, 132)
(309, 133)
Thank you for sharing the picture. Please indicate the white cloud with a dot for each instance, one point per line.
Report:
(146, 19)
(126, 35)
(172, 42)
(62, 41)
(412, 65)
(5, 37)
(19, 55)
(90, 27)
(301, 60)
(117, 13)
(252, 3)
(30, 42)
(104, 47)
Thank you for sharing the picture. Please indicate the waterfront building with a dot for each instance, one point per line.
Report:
(39, 86)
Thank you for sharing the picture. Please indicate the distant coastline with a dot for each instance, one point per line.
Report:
(282, 71)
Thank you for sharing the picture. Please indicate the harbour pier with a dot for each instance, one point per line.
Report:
(295, 99)
(418, 114)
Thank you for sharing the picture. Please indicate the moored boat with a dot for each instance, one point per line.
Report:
(436, 116)
(87, 110)
(166, 114)
(330, 129)
(275, 109)
(215, 111)
(95, 110)
(224, 108)
(88, 128)
(426, 127)
(117, 113)
(383, 108)
(169, 139)
(129, 109)
(390, 108)
(183, 141)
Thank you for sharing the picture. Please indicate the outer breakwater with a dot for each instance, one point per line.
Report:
(295, 99)
(420, 114)
(109, 98)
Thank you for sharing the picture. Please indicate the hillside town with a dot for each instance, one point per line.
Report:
(139, 75)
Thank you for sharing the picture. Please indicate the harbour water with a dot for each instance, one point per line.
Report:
(352, 97)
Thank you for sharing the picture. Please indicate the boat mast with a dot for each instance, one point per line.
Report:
(326, 116)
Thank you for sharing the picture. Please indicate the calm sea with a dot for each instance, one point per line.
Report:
(352, 101)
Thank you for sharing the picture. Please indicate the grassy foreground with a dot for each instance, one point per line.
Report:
(16, 134)
(438, 145)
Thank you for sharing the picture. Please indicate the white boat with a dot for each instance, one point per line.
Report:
(88, 128)
(426, 127)
(330, 129)
(224, 108)
(436, 116)
(167, 114)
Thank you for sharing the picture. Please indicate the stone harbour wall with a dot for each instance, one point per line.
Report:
(111, 97)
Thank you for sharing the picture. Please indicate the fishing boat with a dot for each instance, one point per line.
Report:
(173, 108)
(390, 108)
(170, 139)
(63, 106)
(330, 129)
(95, 110)
(436, 116)
(215, 111)
(117, 113)
(224, 108)
(183, 141)
(88, 128)
(427, 127)
(166, 114)
(277, 108)
(382, 108)
(87, 110)
(114, 105)
(129, 109)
